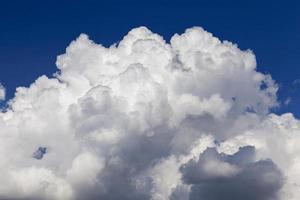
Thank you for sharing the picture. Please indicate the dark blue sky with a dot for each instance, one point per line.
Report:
(33, 33)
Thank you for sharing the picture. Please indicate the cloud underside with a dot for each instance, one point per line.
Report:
(146, 119)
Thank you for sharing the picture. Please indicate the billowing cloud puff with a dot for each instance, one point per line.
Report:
(219, 176)
(147, 119)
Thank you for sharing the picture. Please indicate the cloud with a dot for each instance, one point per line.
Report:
(287, 101)
(238, 176)
(276, 137)
(296, 81)
(130, 121)
(2, 92)
(39, 153)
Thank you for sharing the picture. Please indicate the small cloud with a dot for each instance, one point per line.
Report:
(2, 92)
(39, 153)
(296, 82)
(287, 101)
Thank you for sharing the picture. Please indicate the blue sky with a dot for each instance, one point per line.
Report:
(33, 33)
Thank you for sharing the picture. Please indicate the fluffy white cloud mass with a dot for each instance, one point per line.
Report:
(146, 119)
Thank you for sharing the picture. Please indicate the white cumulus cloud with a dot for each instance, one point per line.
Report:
(148, 119)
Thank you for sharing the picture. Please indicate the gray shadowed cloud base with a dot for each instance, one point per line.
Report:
(219, 176)
(150, 119)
